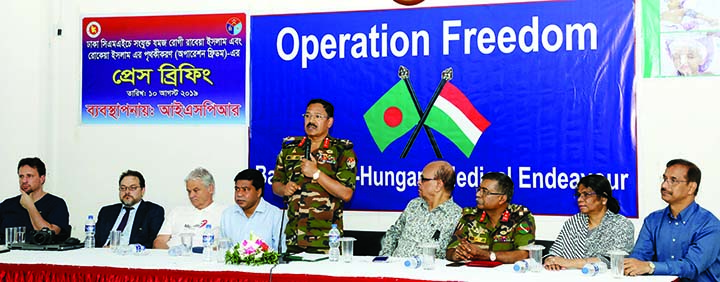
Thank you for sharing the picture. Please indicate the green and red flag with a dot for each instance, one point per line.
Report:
(453, 116)
(392, 116)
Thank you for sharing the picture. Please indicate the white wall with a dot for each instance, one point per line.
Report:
(41, 88)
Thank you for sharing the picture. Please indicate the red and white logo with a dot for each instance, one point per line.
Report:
(408, 2)
(93, 29)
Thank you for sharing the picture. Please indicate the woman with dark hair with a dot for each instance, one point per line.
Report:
(589, 235)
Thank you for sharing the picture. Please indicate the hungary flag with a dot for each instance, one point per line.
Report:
(456, 118)
(393, 115)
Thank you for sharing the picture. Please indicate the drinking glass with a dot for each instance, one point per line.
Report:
(115, 239)
(224, 245)
(617, 265)
(186, 240)
(20, 234)
(428, 255)
(9, 236)
(346, 244)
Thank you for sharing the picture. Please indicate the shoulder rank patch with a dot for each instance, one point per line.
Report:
(291, 141)
(344, 143)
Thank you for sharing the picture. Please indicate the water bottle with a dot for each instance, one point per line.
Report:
(593, 268)
(135, 249)
(413, 262)
(90, 232)
(208, 239)
(334, 236)
(523, 266)
(176, 251)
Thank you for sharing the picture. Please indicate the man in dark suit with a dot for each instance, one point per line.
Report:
(137, 219)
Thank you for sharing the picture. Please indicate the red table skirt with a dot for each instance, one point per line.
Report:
(63, 273)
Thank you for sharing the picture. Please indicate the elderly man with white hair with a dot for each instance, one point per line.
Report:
(689, 56)
(200, 187)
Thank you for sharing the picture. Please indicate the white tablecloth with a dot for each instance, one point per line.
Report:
(359, 267)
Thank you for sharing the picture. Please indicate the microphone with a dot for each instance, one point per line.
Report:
(282, 255)
(307, 148)
(436, 235)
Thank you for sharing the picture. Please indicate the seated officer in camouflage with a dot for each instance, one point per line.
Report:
(495, 229)
(315, 188)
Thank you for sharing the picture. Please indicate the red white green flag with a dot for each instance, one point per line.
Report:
(453, 116)
(392, 116)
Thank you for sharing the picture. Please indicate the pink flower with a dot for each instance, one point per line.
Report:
(249, 250)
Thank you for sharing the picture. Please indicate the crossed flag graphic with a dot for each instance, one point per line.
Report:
(449, 112)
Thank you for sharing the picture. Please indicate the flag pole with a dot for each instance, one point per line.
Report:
(404, 74)
(446, 76)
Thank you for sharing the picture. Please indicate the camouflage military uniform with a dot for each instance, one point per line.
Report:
(311, 209)
(516, 228)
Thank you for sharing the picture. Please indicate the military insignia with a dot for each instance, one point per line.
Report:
(523, 228)
(503, 233)
(505, 216)
(322, 158)
(350, 163)
(293, 157)
(482, 217)
(330, 159)
(329, 151)
(483, 240)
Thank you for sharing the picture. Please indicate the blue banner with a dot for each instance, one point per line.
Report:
(179, 69)
(540, 91)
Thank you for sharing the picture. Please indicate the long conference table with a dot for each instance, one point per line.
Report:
(157, 265)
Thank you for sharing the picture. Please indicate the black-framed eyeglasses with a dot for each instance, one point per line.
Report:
(316, 116)
(423, 179)
(672, 181)
(486, 191)
(584, 195)
(128, 188)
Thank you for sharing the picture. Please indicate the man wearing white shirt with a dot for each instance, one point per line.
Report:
(252, 214)
(200, 187)
(137, 219)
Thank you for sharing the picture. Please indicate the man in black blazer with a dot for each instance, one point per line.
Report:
(139, 220)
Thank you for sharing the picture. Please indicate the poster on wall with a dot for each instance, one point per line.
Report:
(541, 91)
(173, 69)
(681, 37)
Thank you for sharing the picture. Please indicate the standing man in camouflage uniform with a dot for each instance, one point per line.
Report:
(495, 229)
(315, 188)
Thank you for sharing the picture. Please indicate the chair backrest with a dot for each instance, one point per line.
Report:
(367, 242)
(545, 243)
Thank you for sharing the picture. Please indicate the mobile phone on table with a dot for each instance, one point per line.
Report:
(456, 264)
(380, 259)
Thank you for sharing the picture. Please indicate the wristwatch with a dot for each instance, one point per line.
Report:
(492, 256)
(316, 175)
(652, 267)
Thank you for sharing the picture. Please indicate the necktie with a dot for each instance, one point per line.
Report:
(124, 219)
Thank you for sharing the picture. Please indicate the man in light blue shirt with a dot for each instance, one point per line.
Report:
(252, 214)
(681, 239)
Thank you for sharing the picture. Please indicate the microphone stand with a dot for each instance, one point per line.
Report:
(282, 255)
(282, 258)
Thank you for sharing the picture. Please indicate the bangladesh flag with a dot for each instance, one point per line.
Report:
(393, 115)
(456, 118)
